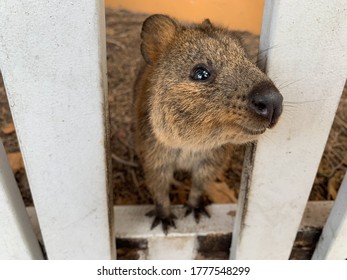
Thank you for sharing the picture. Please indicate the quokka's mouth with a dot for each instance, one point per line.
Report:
(252, 131)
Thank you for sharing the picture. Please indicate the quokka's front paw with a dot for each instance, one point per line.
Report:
(166, 222)
(198, 210)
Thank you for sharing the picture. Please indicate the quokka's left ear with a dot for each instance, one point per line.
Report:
(157, 32)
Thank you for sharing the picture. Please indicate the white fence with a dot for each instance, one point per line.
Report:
(52, 57)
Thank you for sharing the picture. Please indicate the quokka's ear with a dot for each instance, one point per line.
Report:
(157, 33)
(207, 24)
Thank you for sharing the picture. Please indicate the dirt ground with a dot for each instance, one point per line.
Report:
(123, 57)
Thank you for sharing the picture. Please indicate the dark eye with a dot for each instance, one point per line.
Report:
(200, 72)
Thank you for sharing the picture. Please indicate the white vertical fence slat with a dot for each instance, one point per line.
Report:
(332, 244)
(53, 61)
(17, 237)
(304, 52)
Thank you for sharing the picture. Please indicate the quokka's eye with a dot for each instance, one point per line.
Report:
(200, 72)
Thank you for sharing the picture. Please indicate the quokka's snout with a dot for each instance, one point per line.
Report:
(266, 102)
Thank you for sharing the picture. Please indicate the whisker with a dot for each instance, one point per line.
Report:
(267, 137)
(274, 79)
(289, 106)
(287, 110)
(264, 50)
(267, 49)
(282, 86)
(303, 102)
(260, 59)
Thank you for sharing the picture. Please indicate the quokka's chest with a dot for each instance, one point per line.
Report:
(189, 160)
(186, 159)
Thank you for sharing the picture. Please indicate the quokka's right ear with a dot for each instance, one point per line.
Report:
(157, 32)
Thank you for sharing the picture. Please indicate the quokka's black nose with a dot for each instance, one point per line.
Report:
(266, 101)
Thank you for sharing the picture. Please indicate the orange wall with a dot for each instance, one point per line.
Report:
(235, 14)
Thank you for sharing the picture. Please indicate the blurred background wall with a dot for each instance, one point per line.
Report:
(235, 14)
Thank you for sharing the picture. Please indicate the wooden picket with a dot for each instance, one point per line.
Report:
(53, 61)
(303, 48)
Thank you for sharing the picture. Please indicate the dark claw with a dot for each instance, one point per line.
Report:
(189, 210)
(199, 210)
(151, 213)
(166, 222)
(156, 222)
(204, 212)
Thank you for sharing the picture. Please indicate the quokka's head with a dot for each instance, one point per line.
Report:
(203, 90)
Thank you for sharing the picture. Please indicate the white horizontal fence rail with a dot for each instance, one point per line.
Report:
(303, 45)
(332, 244)
(53, 61)
(207, 240)
(17, 237)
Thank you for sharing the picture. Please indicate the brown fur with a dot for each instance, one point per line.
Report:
(187, 124)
